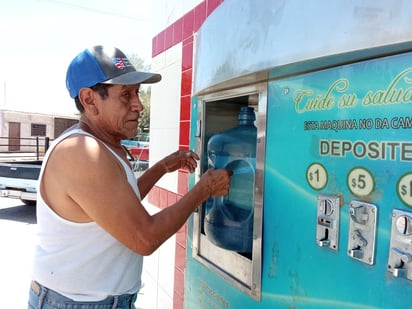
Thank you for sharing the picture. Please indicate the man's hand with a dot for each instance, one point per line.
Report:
(216, 181)
(181, 160)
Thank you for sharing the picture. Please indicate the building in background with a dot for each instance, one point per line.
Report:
(19, 130)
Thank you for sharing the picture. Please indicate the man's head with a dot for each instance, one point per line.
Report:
(104, 65)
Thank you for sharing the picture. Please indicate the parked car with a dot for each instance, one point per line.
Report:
(138, 146)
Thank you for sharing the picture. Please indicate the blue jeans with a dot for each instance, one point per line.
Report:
(44, 298)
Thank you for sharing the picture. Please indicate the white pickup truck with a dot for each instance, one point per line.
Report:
(18, 179)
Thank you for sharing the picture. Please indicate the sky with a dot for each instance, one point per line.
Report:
(39, 38)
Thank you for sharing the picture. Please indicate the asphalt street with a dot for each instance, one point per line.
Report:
(17, 227)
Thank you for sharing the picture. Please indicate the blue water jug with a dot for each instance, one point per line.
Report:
(229, 219)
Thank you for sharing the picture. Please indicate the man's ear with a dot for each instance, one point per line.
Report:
(87, 98)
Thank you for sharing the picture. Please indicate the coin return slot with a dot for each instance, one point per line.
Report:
(362, 231)
(400, 252)
(327, 229)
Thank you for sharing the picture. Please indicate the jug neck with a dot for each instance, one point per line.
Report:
(246, 116)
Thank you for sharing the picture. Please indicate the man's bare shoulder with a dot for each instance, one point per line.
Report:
(78, 171)
(78, 145)
(80, 153)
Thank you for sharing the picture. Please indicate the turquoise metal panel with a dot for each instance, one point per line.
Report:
(349, 108)
(363, 105)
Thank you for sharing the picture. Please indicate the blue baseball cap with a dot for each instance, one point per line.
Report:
(106, 65)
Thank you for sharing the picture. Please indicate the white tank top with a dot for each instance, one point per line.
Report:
(81, 260)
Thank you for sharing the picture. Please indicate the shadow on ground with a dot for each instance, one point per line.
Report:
(23, 213)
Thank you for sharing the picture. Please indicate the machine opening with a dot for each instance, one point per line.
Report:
(227, 229)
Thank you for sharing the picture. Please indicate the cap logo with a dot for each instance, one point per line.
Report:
(118, 62)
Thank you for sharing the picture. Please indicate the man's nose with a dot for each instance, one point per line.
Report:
(136, 104)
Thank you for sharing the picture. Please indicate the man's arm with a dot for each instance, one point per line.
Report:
(177, 160)
(83, 182)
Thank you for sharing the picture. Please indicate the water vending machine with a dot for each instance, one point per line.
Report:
(322, 215)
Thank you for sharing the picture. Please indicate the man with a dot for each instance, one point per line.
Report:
(93, 230)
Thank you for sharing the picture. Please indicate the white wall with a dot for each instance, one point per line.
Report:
(158, 275)
(159, 268)
(165, 110)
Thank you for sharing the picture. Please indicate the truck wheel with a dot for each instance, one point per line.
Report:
(29, 202)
